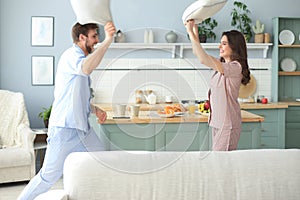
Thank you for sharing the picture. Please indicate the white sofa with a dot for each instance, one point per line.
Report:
(17, 159)
(240, 175)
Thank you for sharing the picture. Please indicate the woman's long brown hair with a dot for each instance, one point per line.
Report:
(237, 43)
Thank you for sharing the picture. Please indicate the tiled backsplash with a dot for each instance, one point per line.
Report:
(116, 80)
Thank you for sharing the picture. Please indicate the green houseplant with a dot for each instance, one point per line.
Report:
(205, 29)
(45, 115)
(240, 19)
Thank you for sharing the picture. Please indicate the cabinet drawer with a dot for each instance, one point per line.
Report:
(187, 141)
(292, 138)
(293, 115)
(269, 129)
(294, 126)
(119, 141)
(269, 142)
(269, 115)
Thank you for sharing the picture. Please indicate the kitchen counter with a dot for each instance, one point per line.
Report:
(270, 105)
(148, 114)
(291, 103)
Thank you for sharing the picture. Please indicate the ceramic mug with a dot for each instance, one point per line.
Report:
(168, 99)
(134, 110)
(120, 110)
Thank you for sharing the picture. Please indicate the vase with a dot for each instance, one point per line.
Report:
(259, 38)
(151, 36)
(146, 37)
(171, 37)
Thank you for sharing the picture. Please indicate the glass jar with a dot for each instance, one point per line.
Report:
(192, 106)
(139, 96)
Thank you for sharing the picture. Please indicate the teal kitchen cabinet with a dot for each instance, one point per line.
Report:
(168, 137)
(292, 139)
(250, 136)
(273, 127)
(285, 83)
(128, 136)
(155, 137)
(182, 137)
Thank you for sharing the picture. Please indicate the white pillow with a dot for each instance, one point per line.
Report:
(202, 9)
(92, 11)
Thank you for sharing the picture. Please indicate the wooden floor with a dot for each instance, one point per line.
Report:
(10, 191)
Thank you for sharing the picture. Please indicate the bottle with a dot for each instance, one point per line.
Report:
(146, 37)
(151, 36)
(139, 96)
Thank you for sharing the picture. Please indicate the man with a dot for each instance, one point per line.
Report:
(69, 130)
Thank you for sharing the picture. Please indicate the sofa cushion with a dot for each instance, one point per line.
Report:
(244, 174)
(92, 11)
(13, 113)
(13, 157)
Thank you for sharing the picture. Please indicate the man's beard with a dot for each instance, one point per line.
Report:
(88, 48)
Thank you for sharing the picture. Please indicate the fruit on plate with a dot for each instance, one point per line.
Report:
(204, 107)
(171, 109)
(168, 110)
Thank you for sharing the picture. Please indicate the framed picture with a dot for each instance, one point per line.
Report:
(42, 70)
(42, 31)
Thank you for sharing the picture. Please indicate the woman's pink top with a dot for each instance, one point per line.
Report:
(225, 108)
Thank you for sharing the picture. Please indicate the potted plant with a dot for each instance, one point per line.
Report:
(240, 19)
(205, 29)
(259, 32)
(45, 115)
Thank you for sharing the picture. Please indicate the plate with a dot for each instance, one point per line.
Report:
(286, 37)
(297, 99)
(166, 115)
(288, 65)
(179, 113)
(163, 115)
(201, 113)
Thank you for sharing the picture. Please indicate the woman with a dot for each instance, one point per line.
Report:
(231, 70)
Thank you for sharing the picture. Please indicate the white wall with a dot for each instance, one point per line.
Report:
(183, 79)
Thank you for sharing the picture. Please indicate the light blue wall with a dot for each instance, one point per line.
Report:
(128, 15)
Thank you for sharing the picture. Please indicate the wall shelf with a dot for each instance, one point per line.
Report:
(183, 46)
(289, 46)
(296, 73)
(250, 46)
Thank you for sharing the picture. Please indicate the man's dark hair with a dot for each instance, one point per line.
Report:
(82, 29)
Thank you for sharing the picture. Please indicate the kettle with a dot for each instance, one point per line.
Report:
(151, 98)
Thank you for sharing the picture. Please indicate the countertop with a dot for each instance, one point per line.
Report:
(291, 103)
(270, 105)
(148, 114)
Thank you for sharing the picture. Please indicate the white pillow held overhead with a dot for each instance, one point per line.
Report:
(202, 9)
(92, 11)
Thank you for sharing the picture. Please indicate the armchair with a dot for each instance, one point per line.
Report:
(17, 158)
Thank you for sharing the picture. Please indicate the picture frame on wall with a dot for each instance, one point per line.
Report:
(42, 70)
(42, 31)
